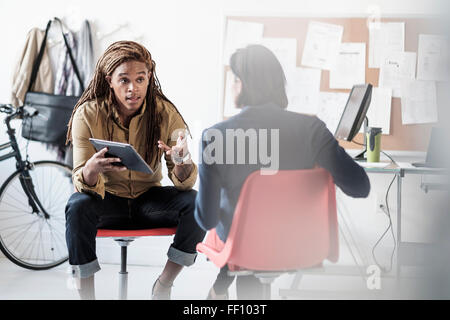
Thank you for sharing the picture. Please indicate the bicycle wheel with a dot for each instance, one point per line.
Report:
(29, 239)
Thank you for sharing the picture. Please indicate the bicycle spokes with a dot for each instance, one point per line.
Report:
(32, 222)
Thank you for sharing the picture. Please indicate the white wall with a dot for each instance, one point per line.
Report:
(183, 36)
(185, 39)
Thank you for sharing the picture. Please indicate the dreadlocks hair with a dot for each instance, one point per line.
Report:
(99, 89)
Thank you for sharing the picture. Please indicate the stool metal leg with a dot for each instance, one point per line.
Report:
(266, 279)
(266, 292)
(123, 273)
(123, 260)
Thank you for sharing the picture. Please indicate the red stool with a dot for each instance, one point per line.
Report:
(124, 238)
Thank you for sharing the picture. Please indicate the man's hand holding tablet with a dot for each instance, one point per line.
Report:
(126, 155)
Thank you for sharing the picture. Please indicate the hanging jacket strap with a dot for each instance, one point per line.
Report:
(38, 60)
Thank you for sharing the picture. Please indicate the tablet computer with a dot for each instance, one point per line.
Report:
(129, 156)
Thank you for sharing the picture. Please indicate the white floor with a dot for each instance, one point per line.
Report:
(17, 283)
(53, 284)
(146, 258)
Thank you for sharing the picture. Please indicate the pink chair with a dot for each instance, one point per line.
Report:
(124, 238)
(282, 223)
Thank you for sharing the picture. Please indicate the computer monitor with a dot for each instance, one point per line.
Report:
(354, 113)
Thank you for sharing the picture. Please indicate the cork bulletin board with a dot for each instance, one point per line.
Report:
(412, 137)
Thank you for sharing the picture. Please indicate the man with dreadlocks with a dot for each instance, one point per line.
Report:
(124, 103)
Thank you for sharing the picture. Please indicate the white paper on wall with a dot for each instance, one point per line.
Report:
(419, 103)
(433, 58)
(229, 108)
(379, 112)
(240, 34)
(322, 45)
(385, 37)
(350, 66)
(285, 49)
(331, 106)
(396, 68)
(302, 88)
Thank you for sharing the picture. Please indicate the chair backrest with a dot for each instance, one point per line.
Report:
(284, 221)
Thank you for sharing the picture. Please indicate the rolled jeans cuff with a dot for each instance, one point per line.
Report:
(181, 257)
(84, 270)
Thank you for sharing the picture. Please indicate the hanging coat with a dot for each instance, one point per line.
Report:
(85, 53)
(66, 81)
(22, 74)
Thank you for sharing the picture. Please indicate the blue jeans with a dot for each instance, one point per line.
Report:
(158, 207)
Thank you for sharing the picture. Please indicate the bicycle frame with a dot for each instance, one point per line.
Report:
(12, 138)
(22, 166)
(9, 155)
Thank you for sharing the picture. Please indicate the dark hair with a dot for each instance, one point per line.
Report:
(98, 89)
(262, 76)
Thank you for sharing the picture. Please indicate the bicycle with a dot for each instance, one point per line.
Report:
(32, 202)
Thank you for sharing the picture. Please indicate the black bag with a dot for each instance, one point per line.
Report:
(50, 125)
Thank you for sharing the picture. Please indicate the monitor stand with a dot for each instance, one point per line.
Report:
(361, 156)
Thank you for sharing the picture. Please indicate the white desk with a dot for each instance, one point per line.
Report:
(400, 170)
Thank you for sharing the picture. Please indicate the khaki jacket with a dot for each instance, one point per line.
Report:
(22, 74)
(127, 184)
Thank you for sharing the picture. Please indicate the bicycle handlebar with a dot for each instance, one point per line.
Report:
(6, 108)
(22, 111)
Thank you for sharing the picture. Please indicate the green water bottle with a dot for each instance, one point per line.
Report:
(373, 138)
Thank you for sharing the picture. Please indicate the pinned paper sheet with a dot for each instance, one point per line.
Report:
(350, 66)
(433, 60)
(303, 86)
(385, 37)
(396, 68)
(322, 45)
(331, 106)
(285, 49)
(240, 34)
(229, 108)
(419, 103)
(379, 112)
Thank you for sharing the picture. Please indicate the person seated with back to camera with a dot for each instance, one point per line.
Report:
(296, 141)
(124, 103)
